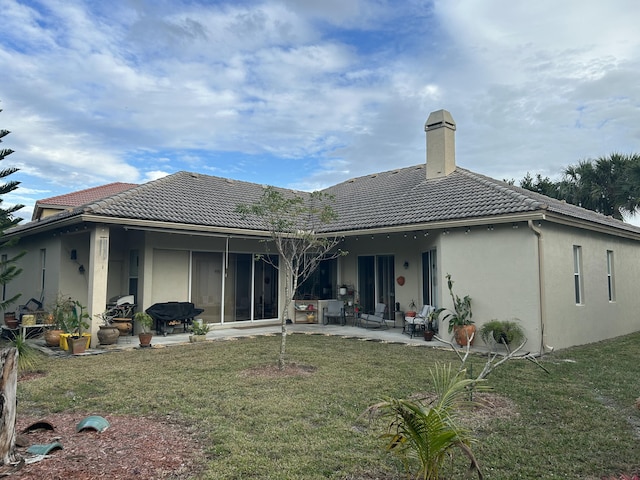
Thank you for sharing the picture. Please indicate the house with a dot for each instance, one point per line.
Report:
(568, 274)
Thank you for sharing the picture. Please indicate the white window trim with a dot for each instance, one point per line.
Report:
(611, 283)
(577, 275)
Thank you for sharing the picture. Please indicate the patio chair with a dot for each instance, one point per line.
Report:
(376, 318)
(334, 310)
(414, 325)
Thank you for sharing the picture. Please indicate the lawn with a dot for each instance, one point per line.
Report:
(578, 421)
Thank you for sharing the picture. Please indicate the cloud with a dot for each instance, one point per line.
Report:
(311, 93)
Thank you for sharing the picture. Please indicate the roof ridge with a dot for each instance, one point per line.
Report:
(418, 166)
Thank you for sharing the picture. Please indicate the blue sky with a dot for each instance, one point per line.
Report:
(305, 94)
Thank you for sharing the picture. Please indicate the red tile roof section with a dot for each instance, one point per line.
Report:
(75, 199)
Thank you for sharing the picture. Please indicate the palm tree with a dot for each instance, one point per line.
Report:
(430, 432)
(608, 185)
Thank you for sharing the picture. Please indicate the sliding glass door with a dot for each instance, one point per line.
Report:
(375, 282)
(250, 287)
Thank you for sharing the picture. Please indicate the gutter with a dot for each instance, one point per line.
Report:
(544, 348)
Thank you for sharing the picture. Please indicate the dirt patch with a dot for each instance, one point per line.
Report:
(272, 371)
(138, 448)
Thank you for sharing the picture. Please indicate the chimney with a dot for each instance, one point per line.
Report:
(441, 144)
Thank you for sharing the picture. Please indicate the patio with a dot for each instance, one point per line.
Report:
(390, 335)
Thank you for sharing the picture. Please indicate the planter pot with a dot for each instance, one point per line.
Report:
(52, 338)
(123, 326)
(64, 340)
(343, 290)
(108, 335)
(10, 320)
(311, 318)
(463, 333)
(428, 335)
(145, 339)
(78, 345)
(197, 338)
(410, 314)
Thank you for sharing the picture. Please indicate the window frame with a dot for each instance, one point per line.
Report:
(578, 282)
(611, 283)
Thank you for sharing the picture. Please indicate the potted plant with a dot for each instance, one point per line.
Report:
(108, 333)
(460, 322)
(199, 331)
(76, 322)
(146, 321)
(412, 310)
(55, 320)
(505, 332)
(10, 320)
(429, 328)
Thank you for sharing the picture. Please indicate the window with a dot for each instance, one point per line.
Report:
(134, 265)
(43, 263)
(610, 280)
(577, 274)
(3, 262)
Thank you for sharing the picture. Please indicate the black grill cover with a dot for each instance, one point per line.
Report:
(173, 311)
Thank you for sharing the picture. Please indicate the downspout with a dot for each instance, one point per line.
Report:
(544, 348)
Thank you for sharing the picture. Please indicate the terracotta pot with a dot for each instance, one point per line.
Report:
(124, 327)
(77, 345)
(463, 333)
(400, 280)
(410, 313)
(10, 320)
(428, 335)
(108, 334)
(52, 337)
(145, 339)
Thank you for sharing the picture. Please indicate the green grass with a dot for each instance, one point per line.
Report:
(572, 423)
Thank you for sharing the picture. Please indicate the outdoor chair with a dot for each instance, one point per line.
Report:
(334, 310)
(376, 318)
(414, 325)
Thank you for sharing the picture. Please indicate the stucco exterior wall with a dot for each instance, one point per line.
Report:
(498, 269)
(597, 318)
(28, 283)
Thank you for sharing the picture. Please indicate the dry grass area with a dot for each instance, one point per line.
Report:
(222, 410)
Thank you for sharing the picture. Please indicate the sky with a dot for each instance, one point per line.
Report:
(305, 94)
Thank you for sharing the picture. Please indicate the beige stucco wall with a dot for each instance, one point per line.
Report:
(570, 324)
(61, 273)
(498, 269)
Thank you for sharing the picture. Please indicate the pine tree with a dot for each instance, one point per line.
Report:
(8, 267)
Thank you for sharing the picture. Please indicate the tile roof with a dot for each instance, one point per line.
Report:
(406, 197)
(401, 197)
(82, 197)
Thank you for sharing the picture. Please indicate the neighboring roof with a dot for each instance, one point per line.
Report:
(396, 198)
(82, 197)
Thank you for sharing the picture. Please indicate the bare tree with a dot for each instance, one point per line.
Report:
(293, 222)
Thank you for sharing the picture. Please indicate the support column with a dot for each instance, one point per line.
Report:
(98, 275)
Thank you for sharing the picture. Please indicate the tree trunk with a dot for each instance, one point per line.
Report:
(8, 402)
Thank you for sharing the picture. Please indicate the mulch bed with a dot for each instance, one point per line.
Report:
(131, 447)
